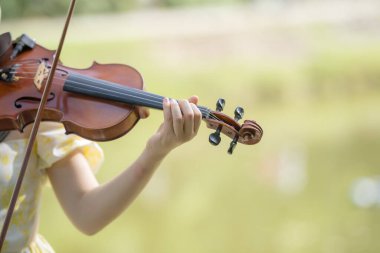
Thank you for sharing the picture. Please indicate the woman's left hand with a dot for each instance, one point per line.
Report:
(143, 112)
(181, 123)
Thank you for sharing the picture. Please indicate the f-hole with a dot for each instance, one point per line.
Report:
(18, 102)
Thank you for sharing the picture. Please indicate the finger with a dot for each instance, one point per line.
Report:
(143, 112)
(194, 99)
(197, 117)
(168, 120)
(177, 118)
(188, 116)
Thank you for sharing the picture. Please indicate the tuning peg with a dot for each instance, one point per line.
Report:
(214, 138)
(239, 113)
(233, 145)
(220, 104)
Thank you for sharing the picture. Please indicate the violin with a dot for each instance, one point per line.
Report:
(98, 103)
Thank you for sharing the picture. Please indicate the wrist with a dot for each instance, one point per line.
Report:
(148, 161)
(158, 146)
(156, 151)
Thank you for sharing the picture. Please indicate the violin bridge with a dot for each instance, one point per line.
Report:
(41, 73)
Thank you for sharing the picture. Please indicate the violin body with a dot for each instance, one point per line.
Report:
(92, 118)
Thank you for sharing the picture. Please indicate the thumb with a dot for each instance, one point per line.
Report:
(194, 99)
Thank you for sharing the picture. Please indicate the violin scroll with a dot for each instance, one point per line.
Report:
(248, 133)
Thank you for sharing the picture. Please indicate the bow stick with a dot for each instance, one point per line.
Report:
(35, 127)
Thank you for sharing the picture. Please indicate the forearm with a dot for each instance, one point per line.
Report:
(91, 206)
(99, 206)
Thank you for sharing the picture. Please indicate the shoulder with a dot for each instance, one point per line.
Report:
(53, 144)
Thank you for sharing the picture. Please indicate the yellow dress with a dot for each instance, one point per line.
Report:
(52, 144)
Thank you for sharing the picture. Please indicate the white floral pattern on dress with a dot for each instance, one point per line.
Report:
(7, 156)
(52, 144)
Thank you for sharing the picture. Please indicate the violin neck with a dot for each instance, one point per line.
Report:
(94, 87)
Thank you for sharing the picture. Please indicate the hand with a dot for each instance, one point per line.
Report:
(143, 112)
(181, 123)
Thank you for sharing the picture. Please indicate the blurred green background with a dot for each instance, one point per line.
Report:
(307, 71)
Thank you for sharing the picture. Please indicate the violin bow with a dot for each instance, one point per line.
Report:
(35, 127)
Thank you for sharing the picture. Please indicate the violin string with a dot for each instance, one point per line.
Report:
(103, 83)
(16, 71)
(204, 110)
(121, 90)
(25, 77)
(138, 92)
(25, 64)
(157, 100)
(29, 61)
(89, 79)
(22, 72)
(32, 75)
